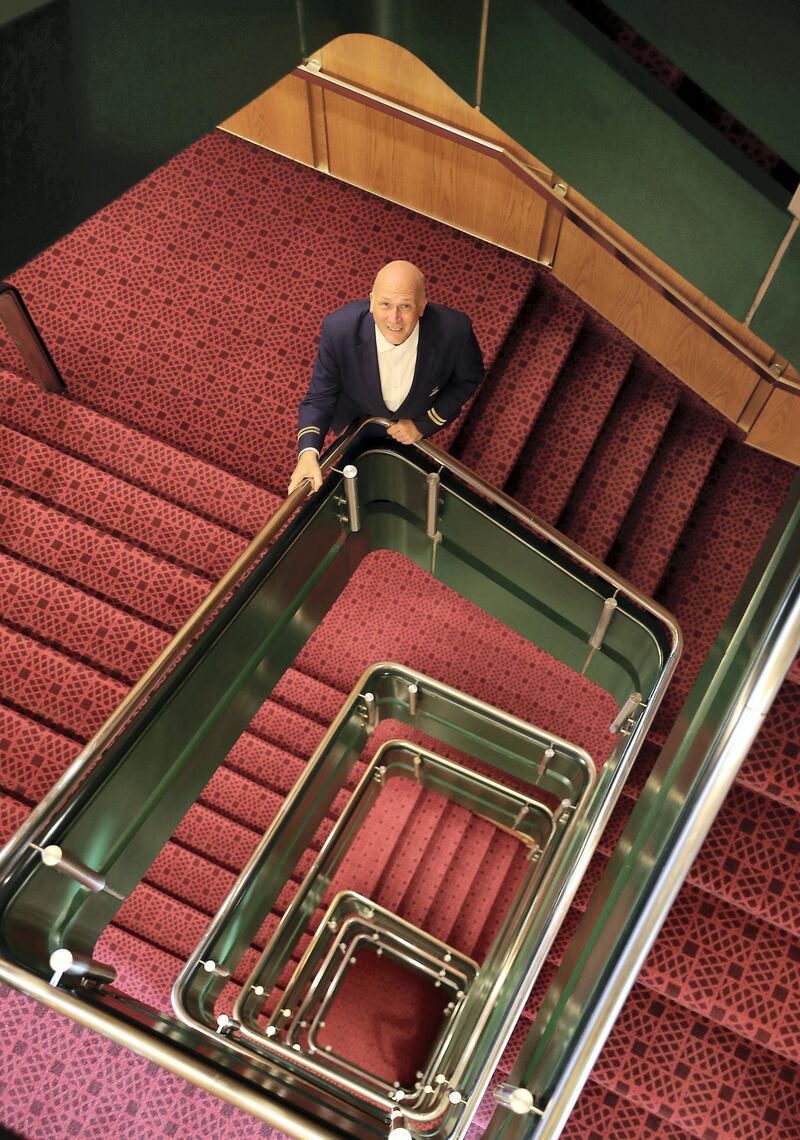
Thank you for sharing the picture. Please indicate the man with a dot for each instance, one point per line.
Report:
(398, 356)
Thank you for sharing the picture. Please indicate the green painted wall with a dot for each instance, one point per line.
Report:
(744, 55)
(444, 34)
(98, 93)
(584, 108)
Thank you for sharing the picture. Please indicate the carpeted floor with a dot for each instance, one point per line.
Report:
(184, 319)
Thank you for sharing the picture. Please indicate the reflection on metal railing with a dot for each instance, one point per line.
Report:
(123, 797)
(698, 764)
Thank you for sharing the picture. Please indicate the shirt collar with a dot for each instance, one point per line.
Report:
(384, 345)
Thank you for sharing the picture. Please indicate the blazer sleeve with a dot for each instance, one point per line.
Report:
(466, 375)
(319, 403)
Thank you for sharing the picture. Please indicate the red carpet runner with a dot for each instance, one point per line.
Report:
(184, 318)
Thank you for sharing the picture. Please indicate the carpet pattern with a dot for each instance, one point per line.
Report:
(184, 318)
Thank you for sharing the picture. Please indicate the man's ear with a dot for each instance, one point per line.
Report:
(422, 306)
(371, 303)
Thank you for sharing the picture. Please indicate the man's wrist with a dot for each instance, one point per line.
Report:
(305, 449)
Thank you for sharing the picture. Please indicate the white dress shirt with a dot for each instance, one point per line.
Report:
(396, 364)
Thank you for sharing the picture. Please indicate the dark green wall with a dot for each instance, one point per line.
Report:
(97, 93)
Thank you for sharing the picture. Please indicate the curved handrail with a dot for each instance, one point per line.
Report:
(46, 811)
(556, 197)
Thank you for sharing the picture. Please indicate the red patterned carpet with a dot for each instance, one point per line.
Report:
(184, 318)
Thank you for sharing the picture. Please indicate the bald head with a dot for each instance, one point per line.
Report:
(397, 300)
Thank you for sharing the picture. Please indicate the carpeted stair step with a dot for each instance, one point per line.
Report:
(524, 372)
(117, 507)
(98, 563)
(695, 1074)
(64, 694)
(750, 858)
(444, 846)
(202, 333)
(739, 971)
(408, 858)
(144, 971)
(77, 624)
(94, 1089)
(485, 906)
(442, 920)
(733, 514)
(619, 459)
(108, 445)
(772, 766)
(667, 495)
(32, 756)
(569, 423)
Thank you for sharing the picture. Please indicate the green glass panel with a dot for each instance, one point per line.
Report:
(446, 37)
(743, 55)
(571, 97)
(776, 318)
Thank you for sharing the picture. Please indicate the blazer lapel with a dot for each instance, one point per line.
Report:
(367, 353)
(418, 397)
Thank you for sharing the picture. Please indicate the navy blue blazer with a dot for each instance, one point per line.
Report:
(345, 381)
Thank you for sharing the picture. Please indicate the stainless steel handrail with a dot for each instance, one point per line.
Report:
(47, 813)
(661, 840)
(558, 201)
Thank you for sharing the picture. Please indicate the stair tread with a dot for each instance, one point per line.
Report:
(116, 507)
(727, 528)
(98, 563)
(616, 466)
(666, 497)
(698, 1075)
(514, 392)
(571, 419)
(50, 610)
(192, 484)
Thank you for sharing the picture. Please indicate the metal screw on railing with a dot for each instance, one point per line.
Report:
(623, 722)
(53, 856)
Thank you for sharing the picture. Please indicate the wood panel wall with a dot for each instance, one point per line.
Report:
(472, 191)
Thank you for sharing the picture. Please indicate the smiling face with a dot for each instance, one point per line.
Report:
(397, 300)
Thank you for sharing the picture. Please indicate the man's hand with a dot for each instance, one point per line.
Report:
(404, 431)
(307, 468)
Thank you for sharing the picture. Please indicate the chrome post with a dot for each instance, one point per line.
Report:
(53, 856)
(516, 1099)
(350, 475)
(603, 622)
(212, 967)
(620, 723)
(372, 711)
(433, 481)
(63, 961)
(413, 698)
